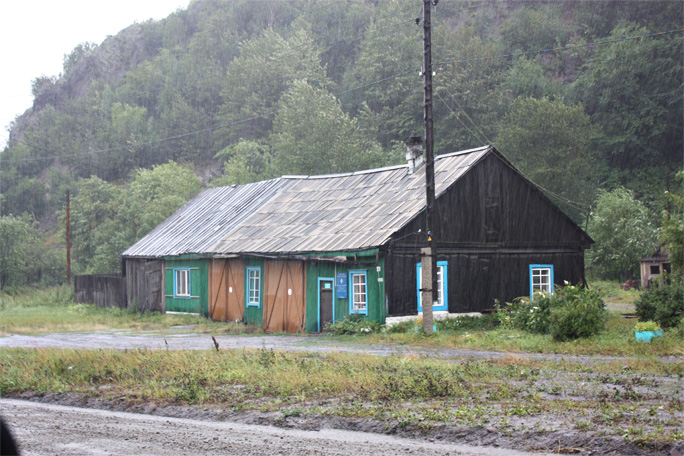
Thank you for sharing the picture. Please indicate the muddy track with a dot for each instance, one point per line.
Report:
(454, 440)
(42, 429)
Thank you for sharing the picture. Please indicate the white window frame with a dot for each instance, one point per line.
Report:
(181, 282)
(541, 279)
(442, 286)
(358, 299)
(253, 295)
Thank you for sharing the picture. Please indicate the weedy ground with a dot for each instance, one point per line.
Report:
(54, 310)
(631, 405)
(640, 404)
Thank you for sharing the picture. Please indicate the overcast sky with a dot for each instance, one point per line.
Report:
(35, 35)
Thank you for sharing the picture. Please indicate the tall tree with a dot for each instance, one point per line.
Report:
(155, 194)
(311, 135)
(633, 90)
(94, 207)
(256, 80)
(24, 259)
(550, 143)
(624, 232)
(386, 90)
(245, 162)
(468, 100)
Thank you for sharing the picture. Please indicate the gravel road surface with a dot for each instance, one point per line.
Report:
(117, 339)
(46, 429)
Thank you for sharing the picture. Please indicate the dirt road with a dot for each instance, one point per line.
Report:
(46, 429)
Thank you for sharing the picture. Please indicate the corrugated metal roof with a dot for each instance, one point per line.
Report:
(206, 219)
(302, 214)
(340, 212)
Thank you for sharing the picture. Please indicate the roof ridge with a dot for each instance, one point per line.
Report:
(379, 170)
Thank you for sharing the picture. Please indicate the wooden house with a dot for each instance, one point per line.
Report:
(293, 253)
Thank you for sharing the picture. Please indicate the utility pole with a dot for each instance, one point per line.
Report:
(430, 253)
(68, 241)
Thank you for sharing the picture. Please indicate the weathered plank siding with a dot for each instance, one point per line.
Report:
(145, 284)
(103, 290)
(491, 225)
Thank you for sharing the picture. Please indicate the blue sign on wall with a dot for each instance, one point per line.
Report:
(341, 285)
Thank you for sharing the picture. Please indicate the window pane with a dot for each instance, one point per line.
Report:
(359, 292)
(541, 279)
(440, 285)
(182, 282)
(254, 279)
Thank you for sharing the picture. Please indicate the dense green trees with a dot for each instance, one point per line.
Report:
(107, 219)
(259, 90)
(624, 231)
(550, 143)
(633, 90)
(23, 257)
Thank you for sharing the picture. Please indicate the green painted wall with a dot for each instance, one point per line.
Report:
(199, 286)
(375, 290)
(254, 315)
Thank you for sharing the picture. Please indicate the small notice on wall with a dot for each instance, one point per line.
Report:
(341, 285)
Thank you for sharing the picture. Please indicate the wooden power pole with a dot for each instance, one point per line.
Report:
(429, 276)
(68, 241)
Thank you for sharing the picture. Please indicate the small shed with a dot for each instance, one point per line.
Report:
(653, 266)
(294, 253)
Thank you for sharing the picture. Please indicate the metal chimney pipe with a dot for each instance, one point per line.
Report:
(414, 153)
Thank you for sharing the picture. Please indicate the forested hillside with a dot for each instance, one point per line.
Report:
(584, 97)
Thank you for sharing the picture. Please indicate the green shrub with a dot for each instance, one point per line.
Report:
(569, 313)
(581, 314)
(662, 302)
(354, 324)
(467, 322)
(529, 315)
(402, 327)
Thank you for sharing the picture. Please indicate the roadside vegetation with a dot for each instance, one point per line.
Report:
(53, 310)
(638, 404)
(31, 311)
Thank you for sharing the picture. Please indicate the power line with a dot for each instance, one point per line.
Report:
(574, 204)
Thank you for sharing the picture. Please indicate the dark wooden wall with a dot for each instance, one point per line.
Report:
(100, 289)
(145, 284)
(492, 224)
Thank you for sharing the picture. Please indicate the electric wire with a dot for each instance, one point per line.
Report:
(574, 204)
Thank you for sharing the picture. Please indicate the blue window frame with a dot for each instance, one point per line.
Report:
(181, 283)
(253, 295)
(442, 286)
(541, 278)
(358, 293)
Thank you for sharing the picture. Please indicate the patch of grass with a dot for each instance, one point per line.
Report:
(617, 340)
(615, 297)
(54, 310)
